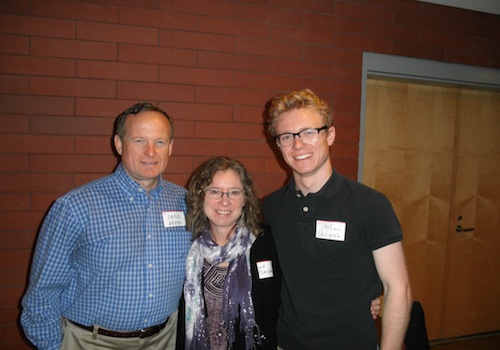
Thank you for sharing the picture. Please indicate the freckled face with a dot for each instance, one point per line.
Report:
(146, 147)
(224, 213)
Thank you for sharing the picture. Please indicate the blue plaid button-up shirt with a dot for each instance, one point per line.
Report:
(105, 256)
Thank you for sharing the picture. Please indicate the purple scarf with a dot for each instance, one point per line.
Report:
(237, 298)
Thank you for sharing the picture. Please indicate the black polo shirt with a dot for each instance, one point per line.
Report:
(325, 242)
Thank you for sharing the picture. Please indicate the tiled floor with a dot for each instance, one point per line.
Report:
(490, 342)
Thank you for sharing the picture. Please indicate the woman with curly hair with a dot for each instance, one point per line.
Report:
(232, 288)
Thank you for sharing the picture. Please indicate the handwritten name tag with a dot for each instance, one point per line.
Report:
(173, 219)
(265, 269)
(330, 230)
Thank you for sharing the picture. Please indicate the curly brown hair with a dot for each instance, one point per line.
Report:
(197, 221)
(304, 98)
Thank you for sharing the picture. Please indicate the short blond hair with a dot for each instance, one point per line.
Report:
(304, 98)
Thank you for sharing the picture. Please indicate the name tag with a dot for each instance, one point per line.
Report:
(330, 230)
(173, 219)
(265, 269)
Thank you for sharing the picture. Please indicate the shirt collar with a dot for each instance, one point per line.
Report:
(132, 187)
(329, 190)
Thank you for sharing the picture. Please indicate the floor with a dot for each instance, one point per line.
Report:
(486, 341)
(490, 342)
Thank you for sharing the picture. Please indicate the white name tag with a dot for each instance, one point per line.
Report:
(265, 269)
(330, 230)
(173, 219)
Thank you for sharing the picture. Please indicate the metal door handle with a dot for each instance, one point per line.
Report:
(461, 229)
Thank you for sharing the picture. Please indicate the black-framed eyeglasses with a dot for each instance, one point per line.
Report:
(216, 193)
(309, 135)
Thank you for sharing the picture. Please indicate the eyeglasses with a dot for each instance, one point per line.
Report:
(216, 194)
(307, 136)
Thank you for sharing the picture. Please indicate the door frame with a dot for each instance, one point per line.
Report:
(411, 70)
(382, 65)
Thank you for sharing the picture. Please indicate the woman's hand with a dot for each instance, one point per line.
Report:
(375, 307)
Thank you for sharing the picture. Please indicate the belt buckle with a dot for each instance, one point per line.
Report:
(142, 333)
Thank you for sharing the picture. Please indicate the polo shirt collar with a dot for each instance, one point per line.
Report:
(329, 190)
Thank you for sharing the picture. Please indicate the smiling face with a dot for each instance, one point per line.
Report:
(223, 213)
(145, 147)
(310, 162)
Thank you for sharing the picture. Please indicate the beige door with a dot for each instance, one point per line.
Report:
(434, 151)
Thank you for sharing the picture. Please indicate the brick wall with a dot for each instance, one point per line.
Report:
(69, 67)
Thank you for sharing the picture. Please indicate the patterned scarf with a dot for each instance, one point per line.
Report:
(237, 297)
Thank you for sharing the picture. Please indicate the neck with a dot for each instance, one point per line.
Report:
(221, 235)
(312, 183)
(148, 186)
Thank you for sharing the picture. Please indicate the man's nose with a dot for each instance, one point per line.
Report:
(296, 138)
(150, 149)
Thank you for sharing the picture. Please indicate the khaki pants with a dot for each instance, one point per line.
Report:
(76, 338)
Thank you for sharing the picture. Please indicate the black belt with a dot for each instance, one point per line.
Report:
(143, 333)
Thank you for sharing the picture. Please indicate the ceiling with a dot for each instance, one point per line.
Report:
(488, 6)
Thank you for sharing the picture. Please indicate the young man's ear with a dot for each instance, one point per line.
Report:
(331, 135)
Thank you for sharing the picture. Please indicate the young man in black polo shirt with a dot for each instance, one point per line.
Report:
(338, 241)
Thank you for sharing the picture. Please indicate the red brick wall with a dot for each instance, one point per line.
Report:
(69, 67)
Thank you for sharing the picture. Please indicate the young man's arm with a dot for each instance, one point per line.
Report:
(391, 267)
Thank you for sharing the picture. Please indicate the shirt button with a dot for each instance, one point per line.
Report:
(298, 195)
(150, 266)
(305, 209)
(149, 236)
(150, 295)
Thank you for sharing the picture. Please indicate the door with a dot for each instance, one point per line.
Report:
(423, 150)
(474, 235)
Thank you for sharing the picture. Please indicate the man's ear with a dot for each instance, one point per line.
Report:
(170, 148)
(118, 144)
(331, 135)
